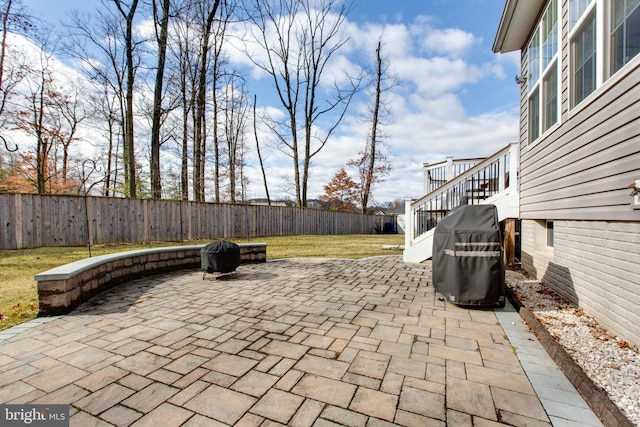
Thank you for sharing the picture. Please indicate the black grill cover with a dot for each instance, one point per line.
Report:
(468, 266)
(221, 257)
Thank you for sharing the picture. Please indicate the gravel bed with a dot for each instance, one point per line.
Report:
(610, 362)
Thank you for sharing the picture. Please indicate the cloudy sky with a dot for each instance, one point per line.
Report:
(454, 96)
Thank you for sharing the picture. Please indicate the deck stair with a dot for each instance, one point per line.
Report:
(490, 181)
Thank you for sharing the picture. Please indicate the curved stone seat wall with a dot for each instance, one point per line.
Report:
(63, 288)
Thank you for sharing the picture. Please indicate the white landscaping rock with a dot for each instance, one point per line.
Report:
(610, 362)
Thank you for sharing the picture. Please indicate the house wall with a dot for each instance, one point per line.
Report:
(576, 175)
(581, 167)
(594, 264)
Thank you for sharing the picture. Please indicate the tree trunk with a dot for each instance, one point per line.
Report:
(184, 166)
(255, 133)
(3, 51)
(107, 173)
(156, 182)
(374, 133)
(43, 149)
(200, 124)
(216, 147)
(128, 142)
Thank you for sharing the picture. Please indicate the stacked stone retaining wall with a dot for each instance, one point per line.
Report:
(63, 288)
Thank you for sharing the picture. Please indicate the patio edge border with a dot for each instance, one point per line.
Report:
(595, 396)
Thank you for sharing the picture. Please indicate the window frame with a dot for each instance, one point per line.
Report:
(550, 235)
(539, 69)
(592, 11)
(605, 70)
(610, 30)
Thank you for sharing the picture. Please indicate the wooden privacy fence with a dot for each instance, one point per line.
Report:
(31, 220)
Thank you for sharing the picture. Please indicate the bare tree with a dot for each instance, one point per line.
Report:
(162, 30)
(105, 45)
(32, 118)
(235, 117)
(198, 33)
(184, 76)
(13, 20)
(70, 112)
(296, 40)
(6, 11)
(218, 71)
(255, 133)
(372, 164)
(106, 104)
(95, 45)
(50, 113)
(127, 13)
(208, 9)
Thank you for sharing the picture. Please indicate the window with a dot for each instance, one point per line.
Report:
(604, 35)
(534, 115)
(550, 234)
(584, 61)
(543, 89)
(625, 32)
(534, 60)
(550, 90)
(549, 34)
(577, 8)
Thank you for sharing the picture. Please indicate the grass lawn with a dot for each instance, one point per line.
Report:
(19, 298)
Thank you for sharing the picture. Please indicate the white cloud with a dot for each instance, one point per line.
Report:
(451, 42)
(437, 75)
(435, 67)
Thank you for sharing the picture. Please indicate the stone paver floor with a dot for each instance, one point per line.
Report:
(291, 342)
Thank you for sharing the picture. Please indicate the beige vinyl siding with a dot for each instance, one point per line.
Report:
(524, 101)
(592, 265)
(581, 167)
(576, 175)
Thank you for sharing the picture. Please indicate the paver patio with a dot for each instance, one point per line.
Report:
(291, 342)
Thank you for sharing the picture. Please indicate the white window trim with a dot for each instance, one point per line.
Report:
(546, 235)
(580, 21)
(621, 74)
(557, 58)
(578, 26)
(605, 80)
(602, 39)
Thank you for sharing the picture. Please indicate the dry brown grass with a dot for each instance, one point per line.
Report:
(18, 294)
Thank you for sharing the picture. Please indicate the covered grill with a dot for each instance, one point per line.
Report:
(468, 265)
(220, 257)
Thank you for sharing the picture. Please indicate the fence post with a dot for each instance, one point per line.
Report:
(145, 221)
(18, 218)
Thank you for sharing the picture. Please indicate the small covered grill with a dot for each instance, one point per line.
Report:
(468, 267)
(220, 257)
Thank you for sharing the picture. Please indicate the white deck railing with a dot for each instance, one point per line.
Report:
(493, 180)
